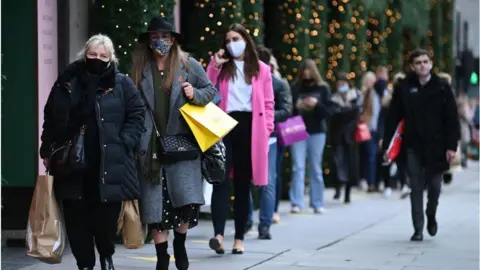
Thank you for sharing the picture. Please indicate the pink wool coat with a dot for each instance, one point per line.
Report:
(262, 116)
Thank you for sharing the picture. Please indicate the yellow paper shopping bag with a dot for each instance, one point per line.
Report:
(209, 124)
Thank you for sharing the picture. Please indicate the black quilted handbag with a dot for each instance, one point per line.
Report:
(214, 164)
(175, 148)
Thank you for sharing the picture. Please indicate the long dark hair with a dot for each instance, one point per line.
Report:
(311, 65)
(251, 67)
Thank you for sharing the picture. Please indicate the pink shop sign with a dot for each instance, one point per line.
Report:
(47, 53)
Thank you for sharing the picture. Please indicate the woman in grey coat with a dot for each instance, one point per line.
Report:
(171, 195)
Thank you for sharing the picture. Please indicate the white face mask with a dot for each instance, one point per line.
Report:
(236, 48)
(344, 88)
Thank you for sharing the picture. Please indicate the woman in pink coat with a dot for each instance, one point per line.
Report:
(246, 92)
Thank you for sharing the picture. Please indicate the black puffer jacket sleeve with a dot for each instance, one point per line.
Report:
(135, 114)
(47, 132)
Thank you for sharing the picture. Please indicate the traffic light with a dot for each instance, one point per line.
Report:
(474, 78)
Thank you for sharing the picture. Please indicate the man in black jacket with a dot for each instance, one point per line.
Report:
(283, 109)
(430, 137)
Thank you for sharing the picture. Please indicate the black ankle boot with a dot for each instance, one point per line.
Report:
(163, 258)
(106, 263)
(180, 251)
(85, 268)
(432, 226)
(338, 191)
(417, 236)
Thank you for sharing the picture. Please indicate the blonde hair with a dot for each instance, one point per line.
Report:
(94, 41)
(143, 54)
(365, 78)
(445, 76)
(398, 76)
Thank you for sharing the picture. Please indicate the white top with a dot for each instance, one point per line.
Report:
(239, 92)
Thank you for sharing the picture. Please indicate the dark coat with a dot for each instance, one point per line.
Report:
(343, 122)
(315, 119)
(431, 120)
(283, 101)
(120, 117)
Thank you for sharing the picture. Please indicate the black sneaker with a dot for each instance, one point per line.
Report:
(264, 232)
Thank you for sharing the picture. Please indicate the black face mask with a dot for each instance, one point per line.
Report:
(308, 81)
(95, 65)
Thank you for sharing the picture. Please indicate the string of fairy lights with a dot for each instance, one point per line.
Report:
(253, 19)
(222, 14)
(127, 19)
(337, 34)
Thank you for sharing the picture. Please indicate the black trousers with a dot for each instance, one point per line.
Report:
(90, 223)
(418, 178)
(238, 144)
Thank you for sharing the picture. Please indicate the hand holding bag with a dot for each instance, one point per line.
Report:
(362, 133)
(291, 131)
(393, 150)
(208, 123)
(45, 236)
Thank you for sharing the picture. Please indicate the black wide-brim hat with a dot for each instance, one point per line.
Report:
(159, 24)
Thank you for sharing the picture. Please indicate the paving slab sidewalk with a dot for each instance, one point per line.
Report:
(371, 233)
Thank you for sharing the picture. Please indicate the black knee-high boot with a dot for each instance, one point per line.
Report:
(163, 258)
(180, 251)
(338, 190)
(348, 187)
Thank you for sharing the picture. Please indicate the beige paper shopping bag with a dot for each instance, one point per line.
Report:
(45, 240)
(130, 224)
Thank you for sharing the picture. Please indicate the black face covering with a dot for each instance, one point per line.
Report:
(95, 65)
(308, 82)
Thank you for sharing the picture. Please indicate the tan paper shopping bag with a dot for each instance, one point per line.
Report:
(45, 240)
(129, 220)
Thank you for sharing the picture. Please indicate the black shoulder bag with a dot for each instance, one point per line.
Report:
(172, 148)
(68, 157)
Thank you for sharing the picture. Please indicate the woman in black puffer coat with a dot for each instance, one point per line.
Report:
(91, 92)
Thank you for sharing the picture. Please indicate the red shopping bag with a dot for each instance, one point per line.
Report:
(396, 143)
(362, 133)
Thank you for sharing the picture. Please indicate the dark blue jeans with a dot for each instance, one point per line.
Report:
(267, 193)
(370, 159)
(280, 155)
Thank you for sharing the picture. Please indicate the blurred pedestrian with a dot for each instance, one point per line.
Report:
(283, 109)
(311, 96)
(368, 82)
(346, 109)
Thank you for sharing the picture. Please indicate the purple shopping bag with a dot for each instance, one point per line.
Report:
(291, 131)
